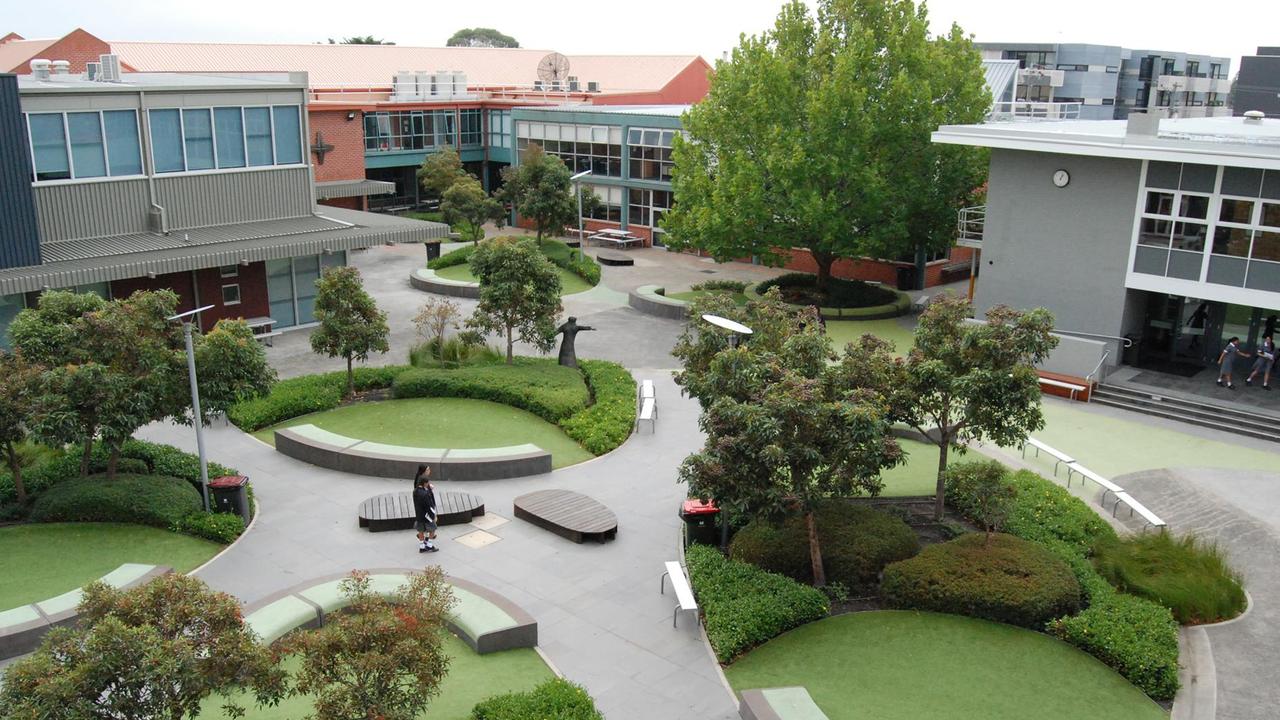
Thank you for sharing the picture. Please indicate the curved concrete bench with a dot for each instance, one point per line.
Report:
(649, 301)
(22, 628)
(364, 457)
(788, 703)
(427, 280)
(483, 619)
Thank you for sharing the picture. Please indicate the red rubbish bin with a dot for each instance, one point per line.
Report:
(700, 520)
(230, 494)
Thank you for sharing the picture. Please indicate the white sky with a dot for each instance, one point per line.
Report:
(1225, 27)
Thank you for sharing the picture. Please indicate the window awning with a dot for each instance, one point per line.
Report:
(353, 188)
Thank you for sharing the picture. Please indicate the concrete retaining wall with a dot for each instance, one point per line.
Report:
(647, 300)
(426, 280)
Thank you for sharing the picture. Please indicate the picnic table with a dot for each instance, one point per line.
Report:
(617, 238)
(262, 328)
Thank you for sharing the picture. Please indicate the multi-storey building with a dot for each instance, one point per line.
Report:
(1257, 86)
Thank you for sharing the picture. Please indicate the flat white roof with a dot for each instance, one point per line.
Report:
(131, 81)
(657, 110)
(1211, 141)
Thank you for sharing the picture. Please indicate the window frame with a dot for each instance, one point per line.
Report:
(239, 297)
(66, 142)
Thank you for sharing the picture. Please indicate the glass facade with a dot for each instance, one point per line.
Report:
(291, 287)
(650, 153)
(610, 207)
(597, 148)
(194, 139)
(500, 128)
(77, 145)
(409, 130)
(470, 134)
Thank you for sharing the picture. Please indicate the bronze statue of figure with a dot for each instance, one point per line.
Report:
(570, 329)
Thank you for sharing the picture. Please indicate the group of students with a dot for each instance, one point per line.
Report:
(1265, 359)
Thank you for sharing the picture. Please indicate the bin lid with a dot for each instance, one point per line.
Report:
(694, 506)
(229, 481)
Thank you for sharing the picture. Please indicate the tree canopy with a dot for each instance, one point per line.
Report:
(231, 366)
(815, 134)
(19, 391)
(519, 293)
(440, 170)
(467, 206)
(540, 190)
(351, 325)
(360, 40)
(481, 37)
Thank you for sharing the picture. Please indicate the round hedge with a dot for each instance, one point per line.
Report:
(857, 542)
(1008, 580)
(143, 499)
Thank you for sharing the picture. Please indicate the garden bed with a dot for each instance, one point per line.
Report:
(578, 271)
(842, 299)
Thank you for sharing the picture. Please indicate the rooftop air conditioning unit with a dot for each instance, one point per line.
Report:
(61, 67)
(403, 86)
(459, 83)
(573, 84)
(110, 67)
(92, 71)
(537, 84)
(593, 86)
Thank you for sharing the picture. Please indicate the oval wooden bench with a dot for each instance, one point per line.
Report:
(426, 280)
(311, 444)
(483, 619)
(394, 511)
(22, 628)
(614, 258)
(568, 514)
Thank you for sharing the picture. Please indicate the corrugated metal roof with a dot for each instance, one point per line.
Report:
(375, 65)
(17, 52)
(999, 76)
(653, 110)
(353, 188)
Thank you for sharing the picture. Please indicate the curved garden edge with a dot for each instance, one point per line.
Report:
(900, 306)
(651, 300)
(426, 280)
(257, 508)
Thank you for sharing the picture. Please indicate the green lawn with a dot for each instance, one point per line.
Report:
(691, 295)
(442, 423)
(42, 560)
(917, 476)
(569, 283)
(471, 678)
(843, 332)
(924, 666)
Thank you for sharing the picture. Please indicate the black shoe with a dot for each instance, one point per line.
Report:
(423, 549)
(1231, 387)
(1248, 381)
(1266, 387)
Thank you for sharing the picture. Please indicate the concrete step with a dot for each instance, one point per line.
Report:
(1228, 420)
(1191, 406)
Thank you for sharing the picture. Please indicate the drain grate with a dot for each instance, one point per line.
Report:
(708, 272)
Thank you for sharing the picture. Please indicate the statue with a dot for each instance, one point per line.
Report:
(570, 328)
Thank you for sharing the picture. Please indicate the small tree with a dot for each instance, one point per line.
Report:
(351, 325)
(519, 293)
(481, 37)
(150, 653)
(540, 190)
(466, 205)
(361, 40)
(440, 170)
(231, 366)
(19, 391)
(988, 491)
(380, 658)
(435, 317)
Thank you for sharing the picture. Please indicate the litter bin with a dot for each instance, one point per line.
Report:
(700, 522)
(1131, 354)
(433, 250)
(230, 494)
(906, 278)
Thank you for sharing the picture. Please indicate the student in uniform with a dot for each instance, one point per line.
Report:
(1227, 359)
(424, 509)
(1266, 358)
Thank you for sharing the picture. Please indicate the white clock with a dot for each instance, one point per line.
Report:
(1061, 178)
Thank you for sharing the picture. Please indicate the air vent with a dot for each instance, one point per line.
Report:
(110, 68)
(1254, 117)
(593, 86)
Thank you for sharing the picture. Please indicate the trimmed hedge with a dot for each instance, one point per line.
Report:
(454, 257)
(143, 499)
(303, 395)
(221, 528)
(608, 422)
(745, 606)
(541, 386)
(556, 698)
(1007, 580)
(857, 543)
(1190, 577)
(802, 288)
(575, 261)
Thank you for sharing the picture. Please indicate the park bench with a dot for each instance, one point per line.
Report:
(786, 703)
(680, 585)
(568, 514)
(1058, 455)
(646, 390)
(1070, 387)
(1106, 485)
(1151, 518)
(649, 412)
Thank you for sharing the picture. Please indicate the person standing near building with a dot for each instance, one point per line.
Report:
(1266, 359)
(1226, 361)
(424, 509)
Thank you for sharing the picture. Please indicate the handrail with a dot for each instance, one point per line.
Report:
(1088, 379)
(1127, 342)
(1034, 110)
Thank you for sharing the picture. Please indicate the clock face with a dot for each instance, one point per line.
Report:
(1061, 178)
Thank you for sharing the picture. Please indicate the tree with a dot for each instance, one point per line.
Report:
(19, 390)
(972, 382)
(467, 206)
(361, 40)
(540, 190)
(784, 427)
(351, 325)
(436, 316)
(990, 494)
(379, 658)
(231, 366)
(519, 293)
(815, 135)
(481, 37)
(440, 170)
(150, 653)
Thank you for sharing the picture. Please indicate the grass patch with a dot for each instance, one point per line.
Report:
(52, 558)
(923, 666)
(578, 272)
(918, 473)
(442, 423)
(1190, 577)
(471, 678)
(843, 332)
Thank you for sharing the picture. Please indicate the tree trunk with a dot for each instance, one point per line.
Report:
(940, 501)
(510, 343)
(15, 468)
(85, 455)
(815, 550)
(113, 459)
(351, 378)
(824, 261)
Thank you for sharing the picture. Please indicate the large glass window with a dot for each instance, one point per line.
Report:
(124, 154)
(470, 134)
(288, 127)
(49, 146)
(499, 128)
(610, 208)
(197, 135)
(280, 292)
(166, 141)
(638, 207)
(650, 151)
(88, 152)
(306, 271)
(413, 130)
(228, 126)
(596, 148)
(257, 136)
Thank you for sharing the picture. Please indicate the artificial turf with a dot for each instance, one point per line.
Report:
(442, 423)
(918, 475)
(471, 678)
(52, 558)
(570, 283)
(903, 665)
(843, 332)
(691, 295)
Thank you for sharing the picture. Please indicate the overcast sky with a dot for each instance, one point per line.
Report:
(706, 27)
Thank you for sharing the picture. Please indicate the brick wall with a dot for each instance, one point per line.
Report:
(77, 47)
(881, 271)
(251, 278)
(346, 160)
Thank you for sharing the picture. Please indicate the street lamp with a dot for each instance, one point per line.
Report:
(577, 186)
(737, 331)
(195, 398)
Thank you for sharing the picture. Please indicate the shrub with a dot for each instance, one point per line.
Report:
(1007, 580)
(572, 260)
(987, 492)
(143, 499)
(745, 606)
(540, 386)
(455, 257)
(857, 542)
(733, 286)
(1135, 637)
(221, 528)
(1190, 577)
(608, 422)
(802, 289)
(298, 396)
(465, 348)
(557, 698)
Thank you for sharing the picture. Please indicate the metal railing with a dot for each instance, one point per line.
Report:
(1027, 110)
(970, 223)
(1097, 371)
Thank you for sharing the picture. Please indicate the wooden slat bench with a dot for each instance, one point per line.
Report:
(394, 511)
(568, 514)
(682, 588)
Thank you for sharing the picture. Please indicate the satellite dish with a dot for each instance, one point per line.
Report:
(553, 68)
(727, 324)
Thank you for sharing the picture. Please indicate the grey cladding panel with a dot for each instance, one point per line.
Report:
(201, 200)
(19, 243)
(93, 209)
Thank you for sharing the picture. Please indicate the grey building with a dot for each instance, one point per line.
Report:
(1104, 82)
(1258, 84)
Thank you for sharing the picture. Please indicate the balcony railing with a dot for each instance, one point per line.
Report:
(1023, 110)
(970, 223)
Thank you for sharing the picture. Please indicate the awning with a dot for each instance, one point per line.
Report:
(353, 188)
(329, 230)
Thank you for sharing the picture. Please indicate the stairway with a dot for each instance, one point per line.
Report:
(1256, 424)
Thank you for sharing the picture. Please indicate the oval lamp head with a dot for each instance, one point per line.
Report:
(727, 324)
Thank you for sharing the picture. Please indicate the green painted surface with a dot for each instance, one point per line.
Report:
(438, 276)
(65, 602)
(126, 574)
(471, 678)
(311, 432)
(274, 620)
(17, 616)
(917, 476)
(793, 703)
(54, 558)
(570, 284)
(843, 332)
(401, 450)
(442, 422)
(329, 596)
(477, 616)
(483, 453)
(691, 295)
(924, 666)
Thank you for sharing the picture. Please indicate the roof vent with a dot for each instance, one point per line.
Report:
(1254, 116)
(110, 68)
(40, 68)
(61, 67)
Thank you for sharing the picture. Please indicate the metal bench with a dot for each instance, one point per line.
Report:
(680, 585)
(1151, 518)
(1106, 485)
(1058, 455)
(649, 412)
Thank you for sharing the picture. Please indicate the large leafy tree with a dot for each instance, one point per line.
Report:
(351, 325)
(151, 653)
(785, 428)
(466, 205)
(231, 366)
(519, 293)
(360, 40)
(19, 391)
(540, 190)
(381, 657)
(440, 170)
(481, 37)
(815, 134)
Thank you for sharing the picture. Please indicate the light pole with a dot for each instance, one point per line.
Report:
(195, 398)
(577, 186)
(737, 331)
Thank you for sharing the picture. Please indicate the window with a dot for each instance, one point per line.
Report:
(193, 139)
(231, 294)
(1108, 101)
(1073, 68)
(49, 147)
(87, 148)
(1034, 93)
(1193, 68)
(229, 271)
(650, 153)
(499, 128)
(1215, 71)
(1030, 59)
(197, 134)
(1168, 67)
(610, 208)
(124, 154)
(638, 207)
(228, 126)
(288, 140)
(410, 130)
(257, 136)
(166, 141)
(582, 147)
(470, 134)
